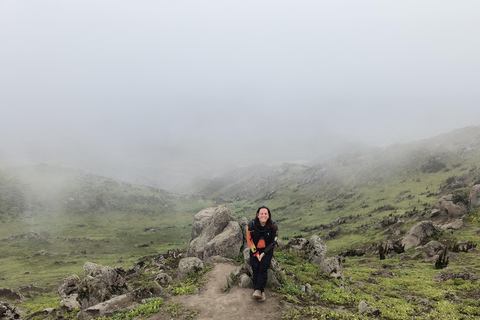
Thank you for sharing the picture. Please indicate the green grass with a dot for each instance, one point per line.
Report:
(111, 238)
(410, 294)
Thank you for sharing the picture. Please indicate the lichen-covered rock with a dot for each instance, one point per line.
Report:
(418, 233)
(363, 308)
(298, 244)
(433, 248)
(245, 281)
(456, 224)
(163, 279)
(215, 232)
(8, 312)
(333, 267)
(316, 250)
(187, 265)
(453, 210)
(272, 281)
(101, 283)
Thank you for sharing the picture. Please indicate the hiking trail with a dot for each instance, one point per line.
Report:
(235, 304)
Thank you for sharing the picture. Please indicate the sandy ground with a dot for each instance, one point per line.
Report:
(235, 304)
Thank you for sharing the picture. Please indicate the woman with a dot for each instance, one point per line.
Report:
(262, 235)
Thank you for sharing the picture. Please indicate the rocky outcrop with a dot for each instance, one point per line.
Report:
(453, 225)
(298, 244)
(68, 293)
(332, 266)
(108, 308)
(187, 265)
(418, 233)
(315, 250)
(104, 291)
(452, 209)
(433, 248)
(363, 308)
(8, 312)
(101, 283)
(215, 232)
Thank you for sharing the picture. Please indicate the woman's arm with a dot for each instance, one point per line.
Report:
(275, 239)
(252, 246)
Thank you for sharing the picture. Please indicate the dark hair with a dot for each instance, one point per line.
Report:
(269, 223)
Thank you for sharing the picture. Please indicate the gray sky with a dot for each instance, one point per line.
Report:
(290, 78)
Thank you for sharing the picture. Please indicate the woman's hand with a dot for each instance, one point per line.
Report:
(260, 256)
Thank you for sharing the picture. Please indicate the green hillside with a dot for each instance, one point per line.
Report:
(53, 220)
(360, 188)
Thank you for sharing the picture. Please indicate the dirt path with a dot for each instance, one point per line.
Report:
(236, 304)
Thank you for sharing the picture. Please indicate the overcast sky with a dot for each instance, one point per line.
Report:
(294, 76)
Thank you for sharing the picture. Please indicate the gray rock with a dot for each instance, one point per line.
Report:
(363, 308)
(230, 281)
(454, 225)
(333, 267)
(187, 265)
(316, 250)
(8, 312)
(109, 307)
(308, 288)
(433, 248)
(245, 281)
(272, 280)
(299, 244)
(215, 232)
(69, 285)
(69, 303)
(418, 233)
(100, 284)
(453, 210)
(163, 279)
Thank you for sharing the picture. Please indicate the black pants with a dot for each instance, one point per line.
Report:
(259, 269)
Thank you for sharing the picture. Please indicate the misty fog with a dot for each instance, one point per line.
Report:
(191, 88)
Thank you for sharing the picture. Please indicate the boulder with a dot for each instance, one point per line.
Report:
(418, 233)
(272, 281)
(475, 196)
(298, 244)
(453, 225)
(68, 286)
(226, 244)
(8, 312)
(453, 210)
(187, 265)
(101, 283)
(363, 308)
(69, 303)
(316, 250)
(243, 225)
(245, 281)
(333, 267)
(163, 279)
(433, 248)
(108, 308)
(215, 232)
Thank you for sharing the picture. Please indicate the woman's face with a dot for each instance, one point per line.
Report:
(263, 215)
